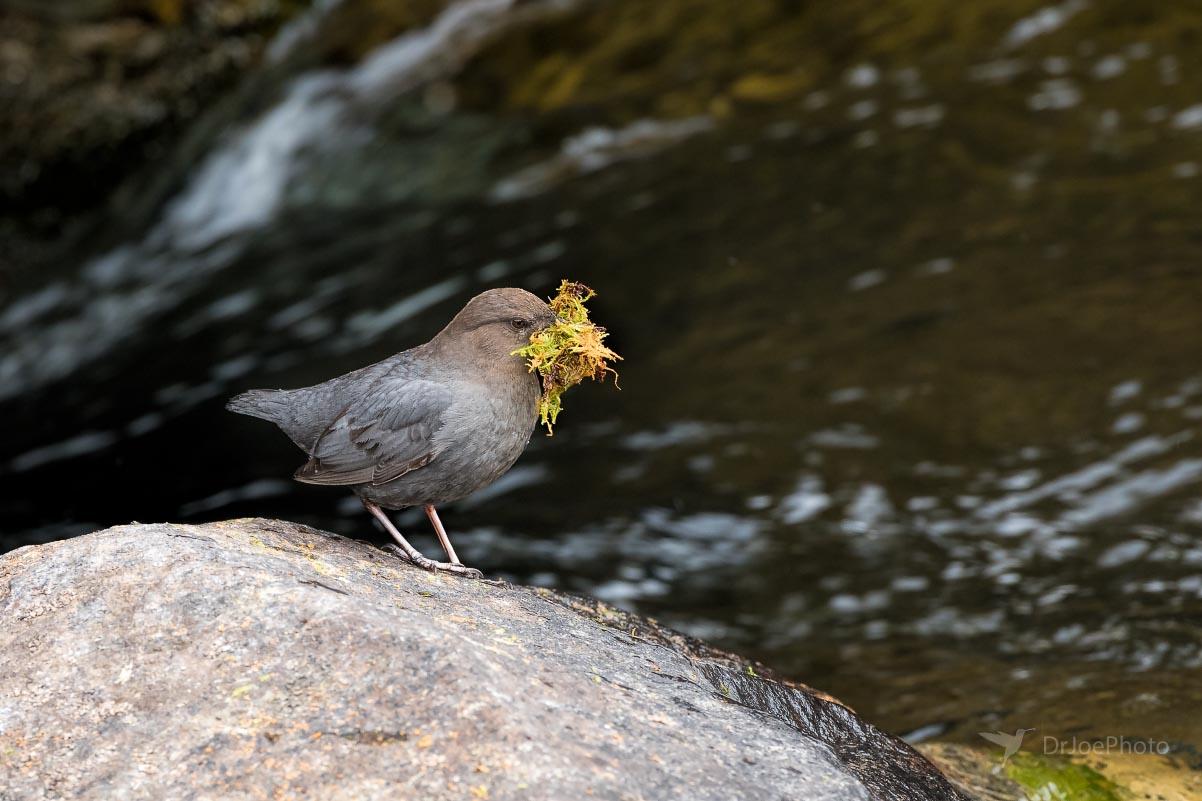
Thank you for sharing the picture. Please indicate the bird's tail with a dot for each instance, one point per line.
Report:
(266, 404)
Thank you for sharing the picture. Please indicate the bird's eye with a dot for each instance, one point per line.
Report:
(518, 323)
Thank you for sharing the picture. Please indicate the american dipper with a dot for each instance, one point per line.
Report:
(425, 427)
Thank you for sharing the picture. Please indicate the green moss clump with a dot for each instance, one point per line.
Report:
(568, 351)
(1056, 779)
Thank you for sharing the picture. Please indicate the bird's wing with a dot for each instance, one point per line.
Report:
(996, 738)
(381, 436)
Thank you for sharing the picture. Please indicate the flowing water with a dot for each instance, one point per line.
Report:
(909, 296)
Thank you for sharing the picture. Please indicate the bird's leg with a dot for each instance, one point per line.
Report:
(432, 513)
(413, 554)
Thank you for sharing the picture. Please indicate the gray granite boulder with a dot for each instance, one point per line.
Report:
(261, 659)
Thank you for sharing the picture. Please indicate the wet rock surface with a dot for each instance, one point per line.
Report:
(255, 658)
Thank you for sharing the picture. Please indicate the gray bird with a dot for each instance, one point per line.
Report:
(425, 427)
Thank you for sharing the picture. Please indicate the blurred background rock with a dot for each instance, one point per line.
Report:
(93, 89)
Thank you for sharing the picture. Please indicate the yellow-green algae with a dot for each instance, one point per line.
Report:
(1058, 779)
(568, 351)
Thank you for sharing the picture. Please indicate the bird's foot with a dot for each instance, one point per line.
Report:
(457, 568)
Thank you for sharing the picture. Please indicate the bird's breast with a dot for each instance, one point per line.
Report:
(490, 423)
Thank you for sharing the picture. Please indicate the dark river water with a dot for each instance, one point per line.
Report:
(909, 294)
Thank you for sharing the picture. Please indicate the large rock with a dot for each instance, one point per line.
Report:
(260, 659)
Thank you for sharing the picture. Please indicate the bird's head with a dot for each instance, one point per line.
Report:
(497, 322)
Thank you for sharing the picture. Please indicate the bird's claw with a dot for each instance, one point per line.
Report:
(426, 563)
(459, 569)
